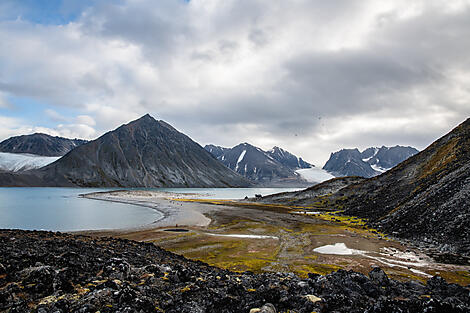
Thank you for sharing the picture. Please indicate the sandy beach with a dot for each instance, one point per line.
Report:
(174, 213)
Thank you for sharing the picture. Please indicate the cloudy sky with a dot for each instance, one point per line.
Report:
(310, 76)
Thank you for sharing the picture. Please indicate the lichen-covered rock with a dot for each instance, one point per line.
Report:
(53, 272)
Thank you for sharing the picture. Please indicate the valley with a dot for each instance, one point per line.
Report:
(252, 236)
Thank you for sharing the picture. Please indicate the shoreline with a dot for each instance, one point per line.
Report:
(173, 214)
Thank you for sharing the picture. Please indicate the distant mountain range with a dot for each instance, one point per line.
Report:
(40, 144)
(143, 153)
(368, 163)
(272, 167)
(424, 199)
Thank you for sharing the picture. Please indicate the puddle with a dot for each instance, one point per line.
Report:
(306, 212)
(243, 236)
(390, 256)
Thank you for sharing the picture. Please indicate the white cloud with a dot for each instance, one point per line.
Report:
(310, 76)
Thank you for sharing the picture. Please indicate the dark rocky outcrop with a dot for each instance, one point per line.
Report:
(53, 272)
(368, 163)
(40, 144)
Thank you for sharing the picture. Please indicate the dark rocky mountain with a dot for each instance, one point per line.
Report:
(369, 163)
(257, 165)
(348, 162)
(424, 199)
(40, 144)
(143, 153)
(288, 159)
(54, 272)
(216, 151)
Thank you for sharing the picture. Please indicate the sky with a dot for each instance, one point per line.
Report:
(309, 76)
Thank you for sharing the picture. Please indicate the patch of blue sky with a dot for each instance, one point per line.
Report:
(47, 12)
(34, 111)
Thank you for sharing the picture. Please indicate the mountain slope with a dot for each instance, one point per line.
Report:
(425, 198)
(368, 163)
(15, 162)
(143, 153)
(216, 151)
(40, 144)
(288, 159)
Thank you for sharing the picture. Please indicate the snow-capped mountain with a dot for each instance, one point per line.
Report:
(273, 167)
(368, 163)
(288, 159)
(16, 162)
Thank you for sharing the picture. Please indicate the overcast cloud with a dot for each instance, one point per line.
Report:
(309, 76)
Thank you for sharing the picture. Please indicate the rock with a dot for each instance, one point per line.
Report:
(152, 279)
(267, 308)
(379, 276)
(313, 299)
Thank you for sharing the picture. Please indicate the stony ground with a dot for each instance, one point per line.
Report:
(53, 272)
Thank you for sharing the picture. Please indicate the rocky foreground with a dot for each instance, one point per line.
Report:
(54, 272)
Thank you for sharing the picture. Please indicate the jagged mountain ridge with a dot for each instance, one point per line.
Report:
(274, 167)
(143, 153)
(254, 164)
(40, 144)
(288, 159)
(368, 163)
(216, 151)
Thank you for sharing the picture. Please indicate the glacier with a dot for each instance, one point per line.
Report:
(15, 162)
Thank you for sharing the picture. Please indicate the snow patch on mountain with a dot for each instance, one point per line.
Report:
(240, 158)
(16, 162)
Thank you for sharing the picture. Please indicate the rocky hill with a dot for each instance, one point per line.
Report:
(143, 153)
(40, 144)
(53, 272)
(260, 166)
(368, 163)
(425, 198)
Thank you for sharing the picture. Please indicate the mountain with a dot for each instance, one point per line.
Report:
(40, 144)
(143, 153)
(369, 163)
(424, 199)
(216, 151)
(275, 167)
(255, 164)
(16, 162)
(288, 159)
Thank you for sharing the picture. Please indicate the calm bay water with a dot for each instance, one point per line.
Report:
(60, 209)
